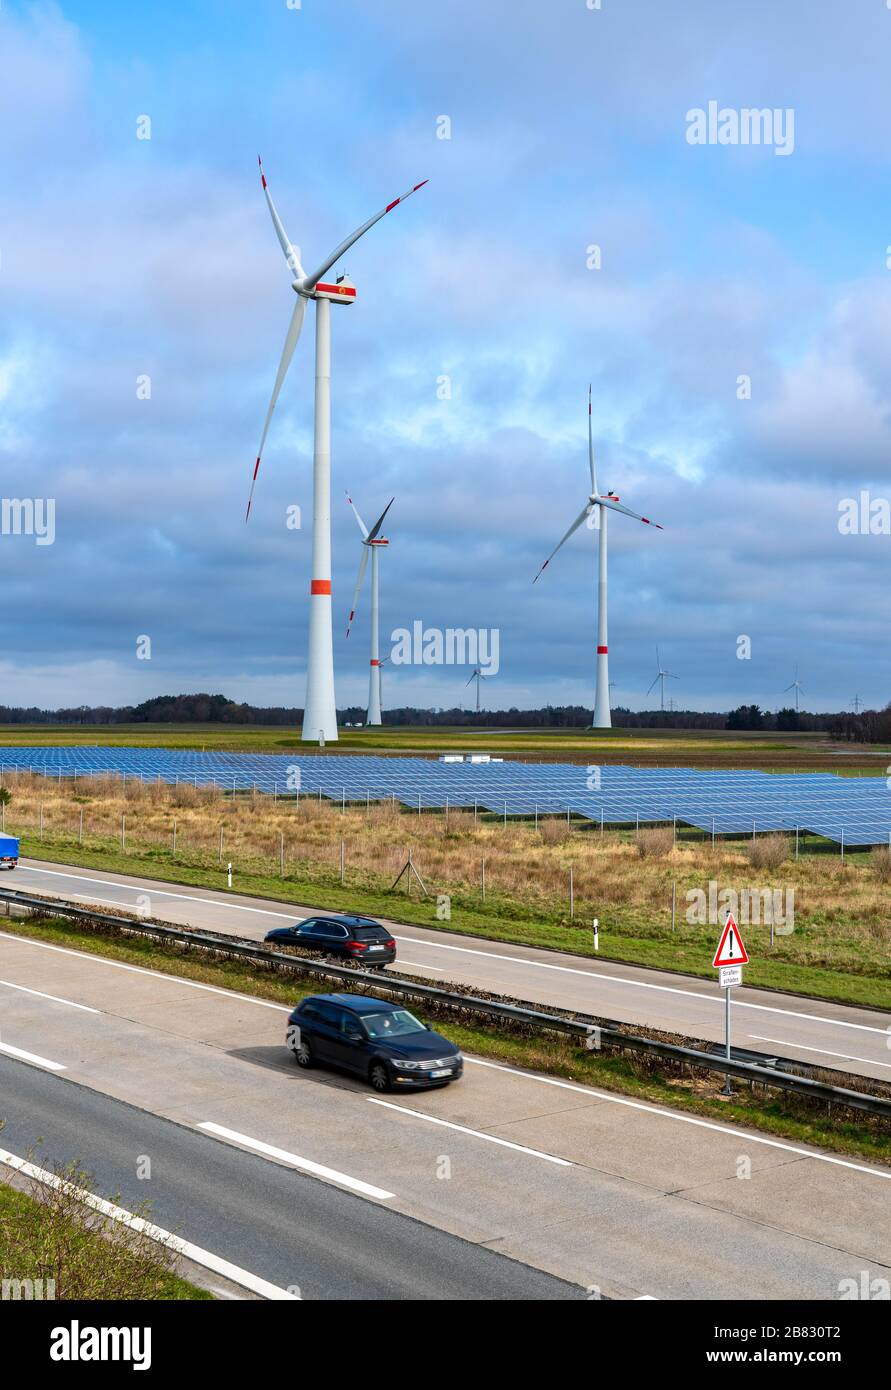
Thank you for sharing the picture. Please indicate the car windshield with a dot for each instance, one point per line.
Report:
(393, 1025)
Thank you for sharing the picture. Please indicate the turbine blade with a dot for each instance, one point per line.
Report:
(626, 511)
(655, 682)
(591, 448)
(362, 565)
(362, 527)
(290, 253)
(574, 527)
(312, 280)
(380, 521)
(294, 328)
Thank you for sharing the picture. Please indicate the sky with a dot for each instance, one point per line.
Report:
(734, 325)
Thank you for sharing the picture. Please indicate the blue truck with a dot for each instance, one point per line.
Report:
(9, 851)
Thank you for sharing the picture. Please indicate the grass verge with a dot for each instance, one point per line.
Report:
(799, 964)
(650, 1079)
(50, 1237)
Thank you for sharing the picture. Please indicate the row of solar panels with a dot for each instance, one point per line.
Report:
(853, 811)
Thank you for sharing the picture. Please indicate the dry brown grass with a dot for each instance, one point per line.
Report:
(768, 852)
(880, 863)
(655, 842)
(554, 830)
(458, 825)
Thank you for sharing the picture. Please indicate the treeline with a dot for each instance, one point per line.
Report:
(165, 709)
(868, 726)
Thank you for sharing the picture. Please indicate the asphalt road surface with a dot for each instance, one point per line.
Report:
(602, 1191)
(295, 1231)
(841, 1036)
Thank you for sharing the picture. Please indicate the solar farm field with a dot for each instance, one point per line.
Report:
(850, 811)
(639, 747)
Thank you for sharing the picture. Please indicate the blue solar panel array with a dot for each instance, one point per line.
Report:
(849, 810)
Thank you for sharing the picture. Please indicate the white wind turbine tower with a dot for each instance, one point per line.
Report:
(661, 673)
(371, 543)
(596, 508)
(319, 715)
(796, 686)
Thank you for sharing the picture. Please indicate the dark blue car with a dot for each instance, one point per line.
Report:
(342, 937)
(384, 1044)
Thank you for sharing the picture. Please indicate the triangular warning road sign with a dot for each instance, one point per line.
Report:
(731, 950)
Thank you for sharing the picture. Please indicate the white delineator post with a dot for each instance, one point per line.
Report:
(374, 672)
(602, 716)
(320, 714)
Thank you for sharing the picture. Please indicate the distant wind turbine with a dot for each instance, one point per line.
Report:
(661, 674)
(477, 676)
(796, 686)
(597, 506)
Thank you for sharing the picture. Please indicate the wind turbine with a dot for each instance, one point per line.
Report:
(598, 505)
(477, 676)
(371, 543)
(319, 714)
(796, 686)
(660, 676)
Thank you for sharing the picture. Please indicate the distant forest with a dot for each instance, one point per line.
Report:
(867, 726)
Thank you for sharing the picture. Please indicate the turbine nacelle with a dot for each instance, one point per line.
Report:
(342, 291)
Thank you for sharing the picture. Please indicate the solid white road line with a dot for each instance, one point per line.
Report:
(475, 1133)
(305, 1165)
(736, 1134)
(824, 1052)
(157, 892)
(141, 970)
(136, 1223)
(602, 978)
(670, 1115)
(8, 984)
(32, 1057)
(591, 973)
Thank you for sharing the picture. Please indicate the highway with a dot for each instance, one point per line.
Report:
(411, 1195)
(844, 1037)
(291, 1229)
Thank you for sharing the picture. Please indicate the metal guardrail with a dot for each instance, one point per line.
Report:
(583, 1028)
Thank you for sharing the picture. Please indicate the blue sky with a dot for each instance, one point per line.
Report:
(122, 257)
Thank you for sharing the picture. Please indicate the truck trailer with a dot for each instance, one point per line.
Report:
(9, 851)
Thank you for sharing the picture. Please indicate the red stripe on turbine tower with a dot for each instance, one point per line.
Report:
(320, 586)
(602, 651)
(373, 662)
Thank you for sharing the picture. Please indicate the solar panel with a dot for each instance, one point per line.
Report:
(849, 810)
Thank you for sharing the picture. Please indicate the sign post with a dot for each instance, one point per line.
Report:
(730, 957)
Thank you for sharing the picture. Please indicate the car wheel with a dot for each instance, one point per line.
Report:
(303, 1055)
(379, 1077)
